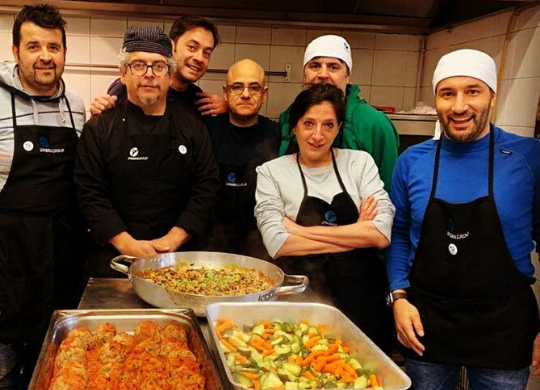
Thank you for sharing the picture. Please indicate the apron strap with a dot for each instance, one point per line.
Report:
(335, 170)
(491, 164)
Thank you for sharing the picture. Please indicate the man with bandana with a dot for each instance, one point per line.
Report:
(145, 172)
(467, 219)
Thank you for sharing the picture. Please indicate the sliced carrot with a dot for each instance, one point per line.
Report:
(373, 380)
(329, 359)
(312, 341)
(225, 325)
(298, 359)
(218, 334)
(228, 345)
(234, 342)
(309, 375)
(240, 358)
(256, 384)
(267, 352)
(250, 375)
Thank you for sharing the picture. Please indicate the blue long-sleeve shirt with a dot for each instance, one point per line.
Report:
(463, 177)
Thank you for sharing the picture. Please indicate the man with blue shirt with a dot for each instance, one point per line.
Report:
(467, 219)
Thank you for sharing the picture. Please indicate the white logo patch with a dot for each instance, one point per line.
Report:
(452, 248)
(182, 149)
(28, 146)
(134, 152)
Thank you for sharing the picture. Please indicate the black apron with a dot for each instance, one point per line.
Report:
(354, 281)
(36, 227)
(235, 228)
(476, 307)
(146, 179)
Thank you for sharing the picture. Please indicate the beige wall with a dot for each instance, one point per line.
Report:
(519, 90)
(385, 66)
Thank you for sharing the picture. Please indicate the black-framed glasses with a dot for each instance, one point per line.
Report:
(139, 68)
(237, 88)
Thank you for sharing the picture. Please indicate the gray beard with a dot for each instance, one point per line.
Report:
(148, 102)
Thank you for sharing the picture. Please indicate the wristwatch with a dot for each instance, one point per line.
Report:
(395, 295)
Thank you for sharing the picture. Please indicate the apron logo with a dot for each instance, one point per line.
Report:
(28, 146)
(46, 146)
(44, 142)
(452, 248)
(182, 149)
(330, 218)
(231, 181)
(133, 155)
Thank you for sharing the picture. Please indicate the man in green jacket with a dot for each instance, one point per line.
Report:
(328, 59)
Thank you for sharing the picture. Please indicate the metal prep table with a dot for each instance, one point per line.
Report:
(117, 293)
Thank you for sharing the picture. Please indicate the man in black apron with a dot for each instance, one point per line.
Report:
(145, 172)
(463, 296)
(39, 126)
(242, 140)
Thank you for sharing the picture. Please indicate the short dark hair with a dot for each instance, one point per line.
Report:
(186, 23)
(42, 15)
(315, 94)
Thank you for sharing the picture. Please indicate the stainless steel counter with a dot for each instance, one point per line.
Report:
(112, 293)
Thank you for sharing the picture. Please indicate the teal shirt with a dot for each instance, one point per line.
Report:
(365, 128)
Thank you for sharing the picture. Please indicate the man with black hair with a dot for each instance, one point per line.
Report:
(194, 39)
(39, 125)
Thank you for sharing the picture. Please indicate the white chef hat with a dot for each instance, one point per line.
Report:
(469, 63)
(329, 46)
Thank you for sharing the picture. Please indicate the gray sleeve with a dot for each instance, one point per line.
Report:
(270, 210)
(370, 184)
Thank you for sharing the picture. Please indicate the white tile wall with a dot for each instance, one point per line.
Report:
(78, 49)
(289, 37)
(108, 27)
(258, 53)
(261, 35)
(385, 65)
(519, 89)
(77, 26)
(362, 72)
(389, 68)
(280, 56)
(104, 50)
(6, 54)
(227, 34)
(6, 22)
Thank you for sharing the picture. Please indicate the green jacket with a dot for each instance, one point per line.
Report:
(365, 128)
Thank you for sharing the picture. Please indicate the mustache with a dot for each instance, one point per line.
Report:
(148, 84)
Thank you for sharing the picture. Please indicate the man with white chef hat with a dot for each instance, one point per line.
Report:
(467, 219)
(328, 60)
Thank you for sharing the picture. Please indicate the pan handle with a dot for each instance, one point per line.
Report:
(117, 266)
(298, 284)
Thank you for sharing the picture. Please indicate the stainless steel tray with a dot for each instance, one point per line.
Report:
(369, 355)
(125, 320)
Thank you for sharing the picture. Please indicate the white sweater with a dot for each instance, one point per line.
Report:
(280, 191)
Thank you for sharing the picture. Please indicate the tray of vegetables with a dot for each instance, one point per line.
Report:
(297, 345)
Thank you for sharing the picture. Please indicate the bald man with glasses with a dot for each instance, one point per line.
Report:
(242, 140)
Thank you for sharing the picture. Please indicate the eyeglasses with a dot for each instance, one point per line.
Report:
(139, 68)
(237, 89)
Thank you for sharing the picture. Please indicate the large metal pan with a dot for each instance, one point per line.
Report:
(167, 299)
